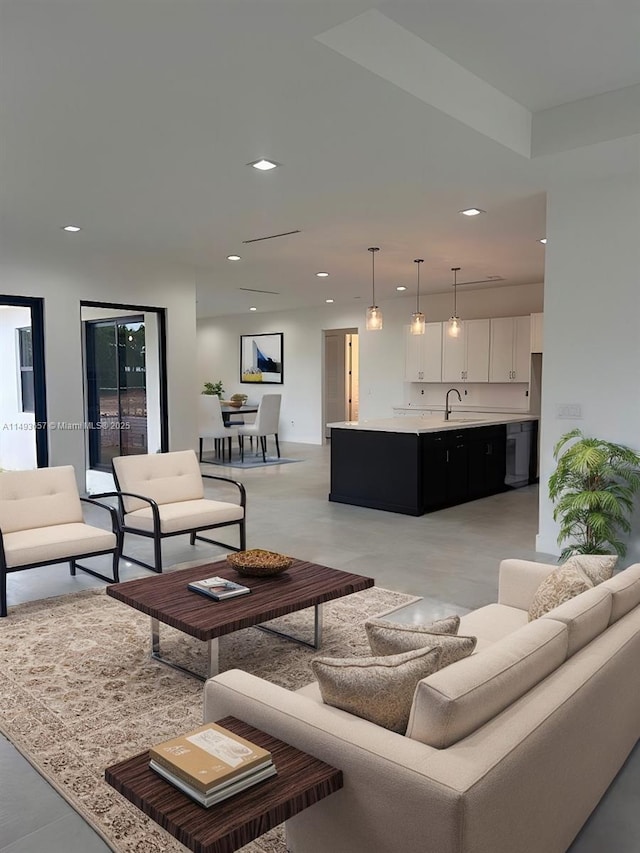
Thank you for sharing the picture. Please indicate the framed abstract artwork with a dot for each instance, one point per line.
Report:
(261, 359)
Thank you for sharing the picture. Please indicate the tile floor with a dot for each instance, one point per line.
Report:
(449, 557)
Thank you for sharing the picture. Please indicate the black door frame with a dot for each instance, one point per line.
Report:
(36, 304)
(162, 341)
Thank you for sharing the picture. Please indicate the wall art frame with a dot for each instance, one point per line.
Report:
(262, 359)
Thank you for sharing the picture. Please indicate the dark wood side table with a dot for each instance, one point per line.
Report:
(300, 782)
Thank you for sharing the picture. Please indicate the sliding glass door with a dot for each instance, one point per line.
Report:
(116, 389)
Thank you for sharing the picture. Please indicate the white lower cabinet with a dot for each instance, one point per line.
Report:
(466, 358)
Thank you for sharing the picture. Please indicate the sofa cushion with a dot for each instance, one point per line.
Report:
(493, 622)
(457, 700)
(561, 585)
(625, 589)
(597, 567)
(585, 616)
(379, 689)
(389, 638)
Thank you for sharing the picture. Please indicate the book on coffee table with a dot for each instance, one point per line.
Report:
(210, 757)
(218, 588)
(217, 793)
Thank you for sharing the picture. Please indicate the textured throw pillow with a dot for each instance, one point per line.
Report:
(378, 689)
(597, 567)
(559, 586)
(388, 638)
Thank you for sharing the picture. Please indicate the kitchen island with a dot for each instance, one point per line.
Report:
(418, 465)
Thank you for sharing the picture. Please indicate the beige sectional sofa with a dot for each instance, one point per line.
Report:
(507, 751)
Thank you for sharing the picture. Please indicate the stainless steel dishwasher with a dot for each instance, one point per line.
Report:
(519, 436)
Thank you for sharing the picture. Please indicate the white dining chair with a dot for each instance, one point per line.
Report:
(267, 420)
(211, 424)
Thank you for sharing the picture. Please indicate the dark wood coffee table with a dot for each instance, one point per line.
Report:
(165, 598)
(301, 781)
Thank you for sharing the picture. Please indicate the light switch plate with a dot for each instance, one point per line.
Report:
(569, 410)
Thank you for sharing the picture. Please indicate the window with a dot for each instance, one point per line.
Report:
(25, 363)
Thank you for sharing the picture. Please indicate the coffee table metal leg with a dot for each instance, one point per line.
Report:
(212, 654)
(317, 631)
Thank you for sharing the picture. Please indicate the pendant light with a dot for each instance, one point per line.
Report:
(374, 314)
(417, 318)
(454, 321)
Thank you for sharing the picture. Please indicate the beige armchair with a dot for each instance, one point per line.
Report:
(162, 494)
(41, 523)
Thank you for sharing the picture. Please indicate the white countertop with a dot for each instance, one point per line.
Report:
(435, 423)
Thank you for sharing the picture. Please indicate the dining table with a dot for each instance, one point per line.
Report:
(245, 409)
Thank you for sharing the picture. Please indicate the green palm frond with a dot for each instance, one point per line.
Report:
(593, 488)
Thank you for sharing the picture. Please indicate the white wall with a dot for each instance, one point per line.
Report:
(64, 285)
(591, 340)
(17, 433)
(381, 353)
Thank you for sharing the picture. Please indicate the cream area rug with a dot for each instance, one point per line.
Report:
(78, 692)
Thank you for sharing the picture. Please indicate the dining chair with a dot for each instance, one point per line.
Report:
(211, 424)
(267, 420)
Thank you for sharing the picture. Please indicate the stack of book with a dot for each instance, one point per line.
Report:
(218, 588)
(211, 763)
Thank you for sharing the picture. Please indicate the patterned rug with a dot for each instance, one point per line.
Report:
(78, 692)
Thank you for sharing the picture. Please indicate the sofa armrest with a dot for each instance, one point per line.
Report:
(380, 768)
(519, 580)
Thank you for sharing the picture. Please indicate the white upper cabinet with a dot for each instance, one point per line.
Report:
(536, 332)
(423, 354)
(466, 358)
(510, 349)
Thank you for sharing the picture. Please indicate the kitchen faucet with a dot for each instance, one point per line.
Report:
(447, 410)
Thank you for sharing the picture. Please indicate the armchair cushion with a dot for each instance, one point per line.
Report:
(185, 515)
(43, 544)
(163, 477)
(48, 495)
(625, 589)
(379, 689)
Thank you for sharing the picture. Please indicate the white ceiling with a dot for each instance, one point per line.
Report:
(135, 119)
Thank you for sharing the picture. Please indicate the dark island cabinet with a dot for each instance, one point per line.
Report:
(414, 473)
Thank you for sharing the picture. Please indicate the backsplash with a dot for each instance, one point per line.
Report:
(510, 395)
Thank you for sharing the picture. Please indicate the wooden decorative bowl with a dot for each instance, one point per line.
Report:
(235, 403)
(259, 563)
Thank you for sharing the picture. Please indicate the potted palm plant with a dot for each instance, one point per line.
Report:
(593, 488)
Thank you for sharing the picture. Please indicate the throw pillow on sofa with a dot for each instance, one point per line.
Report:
(559, 586)
(389, 638)
(597, 567)
(379, 689)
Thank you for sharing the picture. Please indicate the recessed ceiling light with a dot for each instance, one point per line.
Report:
(329, 301)
(264, 165)
(234, 258)
(322, 274)
(472, 211)
(253, 308)
(71, 228)
(401, 287)
(543, 240)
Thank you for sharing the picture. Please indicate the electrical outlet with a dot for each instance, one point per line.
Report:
(422, 391)
(293, 423)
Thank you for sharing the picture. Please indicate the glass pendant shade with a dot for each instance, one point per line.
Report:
(374, 319)
(374, 314)
(454, 321)
(417, 318)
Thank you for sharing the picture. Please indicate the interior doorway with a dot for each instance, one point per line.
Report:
(23, 407)
(125, 388)
(341, 371)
